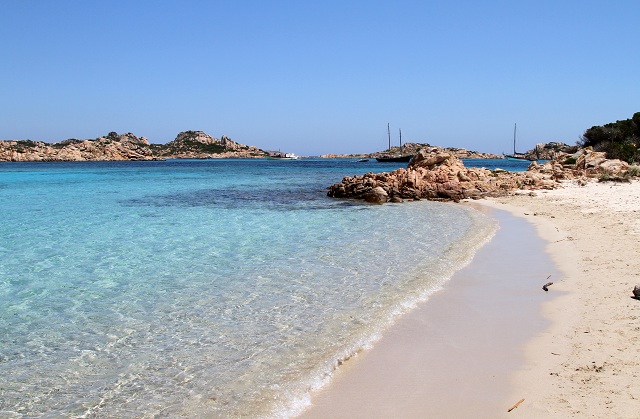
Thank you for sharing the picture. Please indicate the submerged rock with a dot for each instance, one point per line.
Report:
(376, 195)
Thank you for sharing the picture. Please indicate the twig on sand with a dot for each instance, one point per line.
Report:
(548, 284)
(515, 405)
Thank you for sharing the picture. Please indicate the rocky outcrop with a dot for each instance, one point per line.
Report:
(586, 163)
(463, 153)
(113, 146)
(436, 174)
(550, 151)
(200, 145)
(414, 148)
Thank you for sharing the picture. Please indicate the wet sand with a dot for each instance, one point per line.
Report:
(454, 355)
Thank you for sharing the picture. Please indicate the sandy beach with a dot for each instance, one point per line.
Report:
(493, 337)
(587, 364)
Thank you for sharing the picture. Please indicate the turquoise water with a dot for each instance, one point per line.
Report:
(205, 288)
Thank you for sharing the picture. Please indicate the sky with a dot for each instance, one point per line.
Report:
(319, 77)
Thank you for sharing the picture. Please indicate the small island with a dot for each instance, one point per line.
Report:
(114, 146)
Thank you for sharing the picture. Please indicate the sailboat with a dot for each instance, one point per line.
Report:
(388, 158)
(515, 155)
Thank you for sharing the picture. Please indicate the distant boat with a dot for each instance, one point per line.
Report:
(283, 156)
(394, 159)
(388, 158)
(363, 160)
(516, 155)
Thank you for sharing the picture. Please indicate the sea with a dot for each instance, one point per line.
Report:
(204, 288)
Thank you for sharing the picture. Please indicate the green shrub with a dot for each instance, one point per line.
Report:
(618, 139)
(113, 136)
(605, 177)
(633, 171)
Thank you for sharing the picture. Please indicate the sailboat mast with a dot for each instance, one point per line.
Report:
(514, 139)
(389, 136)
(400, 140)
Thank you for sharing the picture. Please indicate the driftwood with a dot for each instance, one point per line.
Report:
(515, 405)
(548, 284)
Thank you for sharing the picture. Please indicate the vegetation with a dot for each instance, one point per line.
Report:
(113, 136)
(157, 148)
(196, 146)
(63, 144)
(611, 178)
(633, 171)
(618, 139)
(24, 146)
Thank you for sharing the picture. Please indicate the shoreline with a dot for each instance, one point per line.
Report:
(580, 355)
(452, 355)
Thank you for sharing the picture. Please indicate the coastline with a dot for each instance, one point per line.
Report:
(578, 356)
(452, 355)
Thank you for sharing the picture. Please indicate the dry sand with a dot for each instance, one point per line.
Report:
(587, 364)
(487, 341)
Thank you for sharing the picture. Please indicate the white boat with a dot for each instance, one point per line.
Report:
(284, 156)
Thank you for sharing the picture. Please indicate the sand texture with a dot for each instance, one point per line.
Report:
(587, 364)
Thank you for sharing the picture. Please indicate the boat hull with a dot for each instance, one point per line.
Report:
(394, 159)
(513, 157)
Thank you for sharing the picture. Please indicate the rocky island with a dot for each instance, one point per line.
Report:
(542, 151)
(114, 146)
(414, 148)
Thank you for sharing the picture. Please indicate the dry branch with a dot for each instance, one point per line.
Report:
(515, 405)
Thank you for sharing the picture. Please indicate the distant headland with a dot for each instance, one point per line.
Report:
(114, 146)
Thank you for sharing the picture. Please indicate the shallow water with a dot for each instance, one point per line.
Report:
(214, 288)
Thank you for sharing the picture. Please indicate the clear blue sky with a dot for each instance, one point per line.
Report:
(322, 76)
